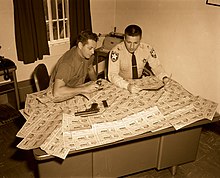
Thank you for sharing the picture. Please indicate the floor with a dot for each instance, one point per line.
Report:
(15, 163)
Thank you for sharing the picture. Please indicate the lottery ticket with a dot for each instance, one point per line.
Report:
(54, 127)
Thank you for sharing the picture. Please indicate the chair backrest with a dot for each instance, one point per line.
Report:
(41, 77)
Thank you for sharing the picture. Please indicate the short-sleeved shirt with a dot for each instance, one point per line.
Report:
(71, 68)
(120, 63)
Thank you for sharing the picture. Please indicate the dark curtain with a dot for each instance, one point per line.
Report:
(30, 30)
(80, 18)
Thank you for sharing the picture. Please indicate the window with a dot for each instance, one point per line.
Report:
(56, 16)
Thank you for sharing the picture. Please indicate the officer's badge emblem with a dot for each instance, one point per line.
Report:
(153, 53)
(114, 56)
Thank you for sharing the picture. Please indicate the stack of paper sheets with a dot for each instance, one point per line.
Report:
(54, 128)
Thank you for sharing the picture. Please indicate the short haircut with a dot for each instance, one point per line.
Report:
(133, 30)
(84, 36)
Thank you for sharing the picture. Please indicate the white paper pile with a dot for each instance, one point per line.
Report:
(55, 129)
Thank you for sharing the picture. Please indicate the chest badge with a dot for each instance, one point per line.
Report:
(153, 53)
(114, 56)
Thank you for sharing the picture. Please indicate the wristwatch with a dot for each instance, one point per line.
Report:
(164, 79)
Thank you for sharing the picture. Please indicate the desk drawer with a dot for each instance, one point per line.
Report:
(178, 147)
(73, 166)
(126, 159)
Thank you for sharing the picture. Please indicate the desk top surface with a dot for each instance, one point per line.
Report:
(55, 129)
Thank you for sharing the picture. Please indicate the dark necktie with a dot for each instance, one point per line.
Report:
(134, 67)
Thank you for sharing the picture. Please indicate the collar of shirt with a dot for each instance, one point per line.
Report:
(77, 57)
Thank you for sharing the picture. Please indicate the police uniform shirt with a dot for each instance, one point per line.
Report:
(120, 63)
(71, 68)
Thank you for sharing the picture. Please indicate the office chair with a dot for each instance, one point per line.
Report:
(41, 77)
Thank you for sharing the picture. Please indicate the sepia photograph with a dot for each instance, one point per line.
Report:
(109, 88)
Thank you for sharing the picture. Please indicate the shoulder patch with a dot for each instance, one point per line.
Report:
(114, 56)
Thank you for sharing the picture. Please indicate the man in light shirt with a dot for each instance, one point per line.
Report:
(128, 59)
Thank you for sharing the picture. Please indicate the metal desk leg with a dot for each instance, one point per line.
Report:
(173, 170)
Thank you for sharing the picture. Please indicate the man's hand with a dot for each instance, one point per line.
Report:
(133, 88)
(92, 87)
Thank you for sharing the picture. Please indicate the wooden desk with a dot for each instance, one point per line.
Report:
(145, 148)
(162, 149)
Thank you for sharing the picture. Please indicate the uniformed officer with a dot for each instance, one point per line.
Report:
(128, 59)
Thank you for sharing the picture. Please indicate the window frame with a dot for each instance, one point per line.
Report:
(50, 21)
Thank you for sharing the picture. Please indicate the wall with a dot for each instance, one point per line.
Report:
(186, 36)
(103, 15)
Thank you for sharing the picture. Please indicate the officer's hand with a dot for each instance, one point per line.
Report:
(133, 88)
